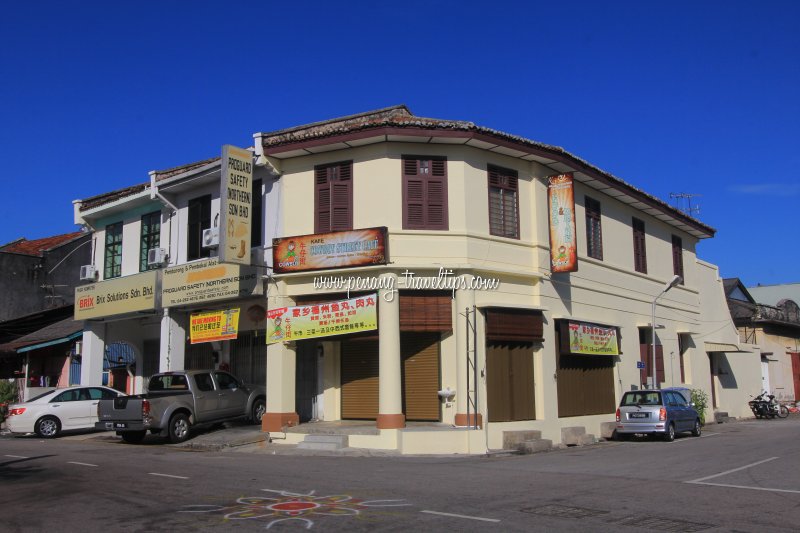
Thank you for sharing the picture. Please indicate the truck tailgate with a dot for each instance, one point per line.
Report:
(122, 408)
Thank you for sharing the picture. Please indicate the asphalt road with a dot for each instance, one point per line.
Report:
(743, 476)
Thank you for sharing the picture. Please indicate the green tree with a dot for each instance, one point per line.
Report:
(700, 401)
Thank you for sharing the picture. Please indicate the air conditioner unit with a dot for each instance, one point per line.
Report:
(88, 273)
(156, 256)
(210, 237)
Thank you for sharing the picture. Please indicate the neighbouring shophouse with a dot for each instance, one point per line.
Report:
(768, 317)
(37, 282)
(155, 264)
(439, 283)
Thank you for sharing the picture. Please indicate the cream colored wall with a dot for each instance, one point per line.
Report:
(780, 363)
(605, 292)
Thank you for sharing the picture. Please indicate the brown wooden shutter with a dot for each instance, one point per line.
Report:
(360, 367)
(503, 202)
(639, 250)
(322, 201)
(677, 255)
(333, 200)
(425, 194)
(509, 382)
(420, 355)
(521, 325)
(426, 311)
(645, 352)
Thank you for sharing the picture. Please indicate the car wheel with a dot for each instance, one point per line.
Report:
(697, 429)
(669, 436)
(48, 427)
(619, 437)
(259, 408)
(179, 428)
(133, 437)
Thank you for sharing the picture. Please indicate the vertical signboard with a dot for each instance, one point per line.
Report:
(236, 205)
(561, 218)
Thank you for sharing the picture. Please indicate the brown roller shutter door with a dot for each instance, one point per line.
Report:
(420, 354)
(360, 379)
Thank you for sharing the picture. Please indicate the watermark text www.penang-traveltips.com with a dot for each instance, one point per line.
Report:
(444, 280)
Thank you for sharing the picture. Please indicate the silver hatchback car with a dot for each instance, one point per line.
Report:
(656, 412)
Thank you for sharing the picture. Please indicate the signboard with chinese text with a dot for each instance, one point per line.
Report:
(236, 205)
(214, 326)
(206, 281)
(117, 296)
(561, 219)
(338, 249)
(322, 319)
(592, 339)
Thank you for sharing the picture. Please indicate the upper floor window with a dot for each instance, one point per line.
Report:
(113, 255)
(257, 212)
(425, 193)
(677, 256)
(639, 250)
(503, 202)
(199, 219)
(150, 238)
(594, 229)
(333, 197)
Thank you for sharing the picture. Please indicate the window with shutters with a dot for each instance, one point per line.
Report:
(333, 197)
(199, 219)
(113, 255)
(594, 229)
(150, 238)
(677, 256)
(639, 251)
(503, 202)
(425, 193)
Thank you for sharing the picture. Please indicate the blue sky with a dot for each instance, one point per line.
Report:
(699, 97)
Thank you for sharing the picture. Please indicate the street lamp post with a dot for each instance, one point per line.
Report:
(654, 373)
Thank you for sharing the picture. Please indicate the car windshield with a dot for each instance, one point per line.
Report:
(641, 398)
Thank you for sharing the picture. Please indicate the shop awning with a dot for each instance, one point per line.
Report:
(723, 347)
(60, 332)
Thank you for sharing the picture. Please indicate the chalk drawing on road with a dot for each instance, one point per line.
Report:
(290, 506)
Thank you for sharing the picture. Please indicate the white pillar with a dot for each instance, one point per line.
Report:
(94, 345)
(390, 393)
(173, 342)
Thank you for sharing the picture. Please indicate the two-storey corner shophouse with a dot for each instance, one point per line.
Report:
(446, 286)
(155, 265)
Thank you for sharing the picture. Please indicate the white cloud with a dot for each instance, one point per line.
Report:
(767, 189)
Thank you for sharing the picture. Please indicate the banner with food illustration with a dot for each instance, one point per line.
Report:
(214, 326)
(592, 339)
(338, 249)
(236, 205)
(322, 319)
(561, 218)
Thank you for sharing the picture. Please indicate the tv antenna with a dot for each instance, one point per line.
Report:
(683, 202)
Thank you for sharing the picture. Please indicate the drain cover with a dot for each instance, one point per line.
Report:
(661, 524)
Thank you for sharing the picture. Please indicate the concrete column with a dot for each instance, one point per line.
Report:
(281, 370)
(94, 346)
(465, 300)
(390, 399)
(173, 342)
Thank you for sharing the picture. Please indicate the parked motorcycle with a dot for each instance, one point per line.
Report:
(766, 406)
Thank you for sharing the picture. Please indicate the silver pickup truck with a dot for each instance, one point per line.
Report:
(176, 401)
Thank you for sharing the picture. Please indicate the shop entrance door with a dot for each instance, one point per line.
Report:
(306, 382)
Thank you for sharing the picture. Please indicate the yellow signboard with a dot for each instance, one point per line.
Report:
(592, 339)
(214, 326)
(236, 207)
(117, 296)
(207, 281)
(323, 319)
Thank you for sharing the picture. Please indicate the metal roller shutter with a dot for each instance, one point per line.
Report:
(249, 358)
(198, 357)
(509, 382)
(420, 355)
(360, 379)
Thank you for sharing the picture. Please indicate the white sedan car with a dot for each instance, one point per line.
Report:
(61, 409)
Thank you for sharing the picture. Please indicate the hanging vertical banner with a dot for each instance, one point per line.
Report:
(236, 205)
(561, 217)
(214, 326)
(323, 319)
